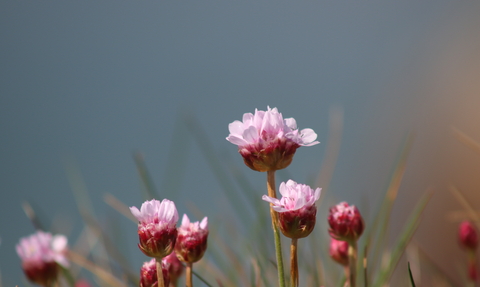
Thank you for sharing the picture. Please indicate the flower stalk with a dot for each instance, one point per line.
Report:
(276, 232)
(188, 278)
(293, 263)
(352, 261)
(160, 279)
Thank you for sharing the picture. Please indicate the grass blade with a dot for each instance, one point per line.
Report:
(410, 274)
(406, 235)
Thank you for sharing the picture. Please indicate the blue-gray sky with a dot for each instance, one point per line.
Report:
(95, 81)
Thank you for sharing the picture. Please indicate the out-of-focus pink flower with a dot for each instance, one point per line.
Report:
(267, 141)
(157, 230)
(191, 240)
(175, 267)
(40, 254)
(345, 222)
(296, 208)
(467, 235)
(148, 274)
(339, 251)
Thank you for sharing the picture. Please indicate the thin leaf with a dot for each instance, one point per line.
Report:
(405, 236)
(411, 276)
(149, 187)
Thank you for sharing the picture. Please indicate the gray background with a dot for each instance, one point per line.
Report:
(91, 82)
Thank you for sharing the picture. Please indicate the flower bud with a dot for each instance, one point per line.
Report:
(40, 254)
(345, 222)
(267, 141)
(191, 240)
(339, 251)
(467, 235)
(296, 209)
(157, 230)
(148, 274)
(175, 267)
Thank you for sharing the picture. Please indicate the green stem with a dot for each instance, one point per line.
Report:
(161, 281)
(352, 262)
(276, 231)
(293, 263)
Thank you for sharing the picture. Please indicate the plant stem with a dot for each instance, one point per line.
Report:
(293, 263)
(276, 231)
(189, 275)
(160, 280)
(352, 262)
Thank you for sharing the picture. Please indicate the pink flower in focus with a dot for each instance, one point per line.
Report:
(339, 251)
(40, 253)
(267, 141)
(296, 209)
(191, 240)
(148, 274)
(175, 267)
(345, 222)
(467, 235)
(157, 230)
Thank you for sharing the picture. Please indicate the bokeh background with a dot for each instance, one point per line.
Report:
(84, 85)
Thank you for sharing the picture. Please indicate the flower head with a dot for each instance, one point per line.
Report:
(296, 208)
(175, 267)
(157, 230)
(345, 222)
(191, 240)
(467, 235)
(339, 251)
(148, 274)
(40, 254)
(267, 141)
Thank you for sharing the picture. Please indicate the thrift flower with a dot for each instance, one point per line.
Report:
(345, 222)
(267, 141)
(157, 230)
(467, 235)
(191, 240)
(40, 254)
(296, 209)
(339, 251)
(148, 274)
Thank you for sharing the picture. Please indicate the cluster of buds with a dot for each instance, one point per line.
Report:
(468, 239)
(339, 251)
(346, 223)
(192, 240)
(159, 237)
(296, 209)
(267, 141)
(41, 255)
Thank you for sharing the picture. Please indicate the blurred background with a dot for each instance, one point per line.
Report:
(85, 85)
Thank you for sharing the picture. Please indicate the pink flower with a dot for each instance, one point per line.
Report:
(467, 235)
(345, 222)
(157, 230)
(148, 274)
(191, 240)
(296, 208)
(267, 141)
(175, 267)
(40, 254)
(339, 251)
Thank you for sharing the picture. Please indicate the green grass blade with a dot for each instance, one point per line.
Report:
(149, 189)
(405, 237)
(410, 274)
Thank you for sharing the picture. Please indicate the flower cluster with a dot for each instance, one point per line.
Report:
(296, 208)
(192, 240)
(345, 222)
(267, 141)
(148, 274)
(40, 254)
